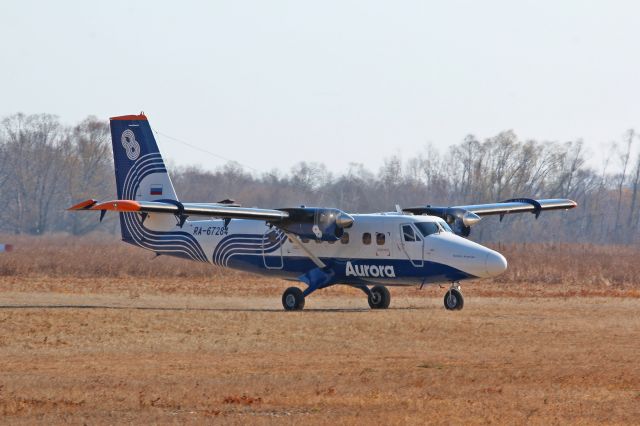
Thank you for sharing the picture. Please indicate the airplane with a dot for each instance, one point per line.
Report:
(317, 246)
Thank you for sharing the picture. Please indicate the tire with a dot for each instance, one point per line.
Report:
(293, 299)
(453, 300)
(380, 298)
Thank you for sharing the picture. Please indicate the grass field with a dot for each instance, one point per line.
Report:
(104, 335)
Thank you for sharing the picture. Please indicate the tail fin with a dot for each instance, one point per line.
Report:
(141, 175)
(140, 170)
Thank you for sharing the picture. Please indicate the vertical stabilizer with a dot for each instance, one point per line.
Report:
(142, 176)
(140, 170)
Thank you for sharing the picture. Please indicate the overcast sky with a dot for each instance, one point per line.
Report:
(271, 83)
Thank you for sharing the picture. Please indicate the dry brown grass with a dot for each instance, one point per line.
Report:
(96, 255)
(101, 263)
(235, 360)
(96, 332)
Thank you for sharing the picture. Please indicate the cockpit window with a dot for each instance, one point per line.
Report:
(408, 234)
(445, 226)
(428, 228)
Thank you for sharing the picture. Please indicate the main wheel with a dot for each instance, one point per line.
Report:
(379, 297)
(453, 300)
(293, 299)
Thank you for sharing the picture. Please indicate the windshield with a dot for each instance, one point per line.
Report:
(445, 226)
(428, 228)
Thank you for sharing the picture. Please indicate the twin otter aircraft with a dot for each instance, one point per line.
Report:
(315, 245)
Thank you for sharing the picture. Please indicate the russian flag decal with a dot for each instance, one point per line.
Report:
(156, 189)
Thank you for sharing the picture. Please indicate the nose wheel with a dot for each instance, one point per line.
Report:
(453, 300)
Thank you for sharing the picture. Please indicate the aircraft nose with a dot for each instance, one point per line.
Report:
(495, 263)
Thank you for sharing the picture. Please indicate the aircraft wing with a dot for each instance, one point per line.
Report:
(515, 205)
(461, 218)
(196, 209)
(519, 205)
(326, 224)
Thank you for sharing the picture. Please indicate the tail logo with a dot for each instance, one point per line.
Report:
(130, 144)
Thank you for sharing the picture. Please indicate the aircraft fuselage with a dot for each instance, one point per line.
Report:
(388, 249)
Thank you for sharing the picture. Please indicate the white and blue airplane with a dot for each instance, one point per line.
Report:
(317, 246)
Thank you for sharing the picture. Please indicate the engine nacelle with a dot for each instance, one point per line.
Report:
(460, 220)
(316, 223)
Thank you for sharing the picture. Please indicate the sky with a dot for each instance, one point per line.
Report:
(272, 83)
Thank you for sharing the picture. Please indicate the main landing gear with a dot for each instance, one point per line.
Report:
(377, 296)
(293, 299)
(453, 299)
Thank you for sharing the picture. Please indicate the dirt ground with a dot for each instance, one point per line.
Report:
(94, 331)
(102, 357)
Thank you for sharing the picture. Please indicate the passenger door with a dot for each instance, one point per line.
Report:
(412, 244)
(272, 259)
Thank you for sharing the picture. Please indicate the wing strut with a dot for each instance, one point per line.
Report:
(317, 278)
(315, 259)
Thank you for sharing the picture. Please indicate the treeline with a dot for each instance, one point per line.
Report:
(46, 167)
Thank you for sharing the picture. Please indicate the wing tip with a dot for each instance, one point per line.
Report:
(118, 205)
(113, 205)
(84, 205)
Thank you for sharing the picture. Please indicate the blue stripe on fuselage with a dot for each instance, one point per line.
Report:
(405, 272)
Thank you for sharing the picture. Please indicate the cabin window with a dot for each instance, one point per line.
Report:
(408, 233)
(380, 238)
(345, 238)
(428, 228)
(366, 238)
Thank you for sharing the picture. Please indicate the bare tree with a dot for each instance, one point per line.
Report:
(89, 169)
(624, 159)
(35, 168)
(635, 185)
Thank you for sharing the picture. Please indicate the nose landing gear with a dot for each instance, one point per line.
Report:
(453, 300)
